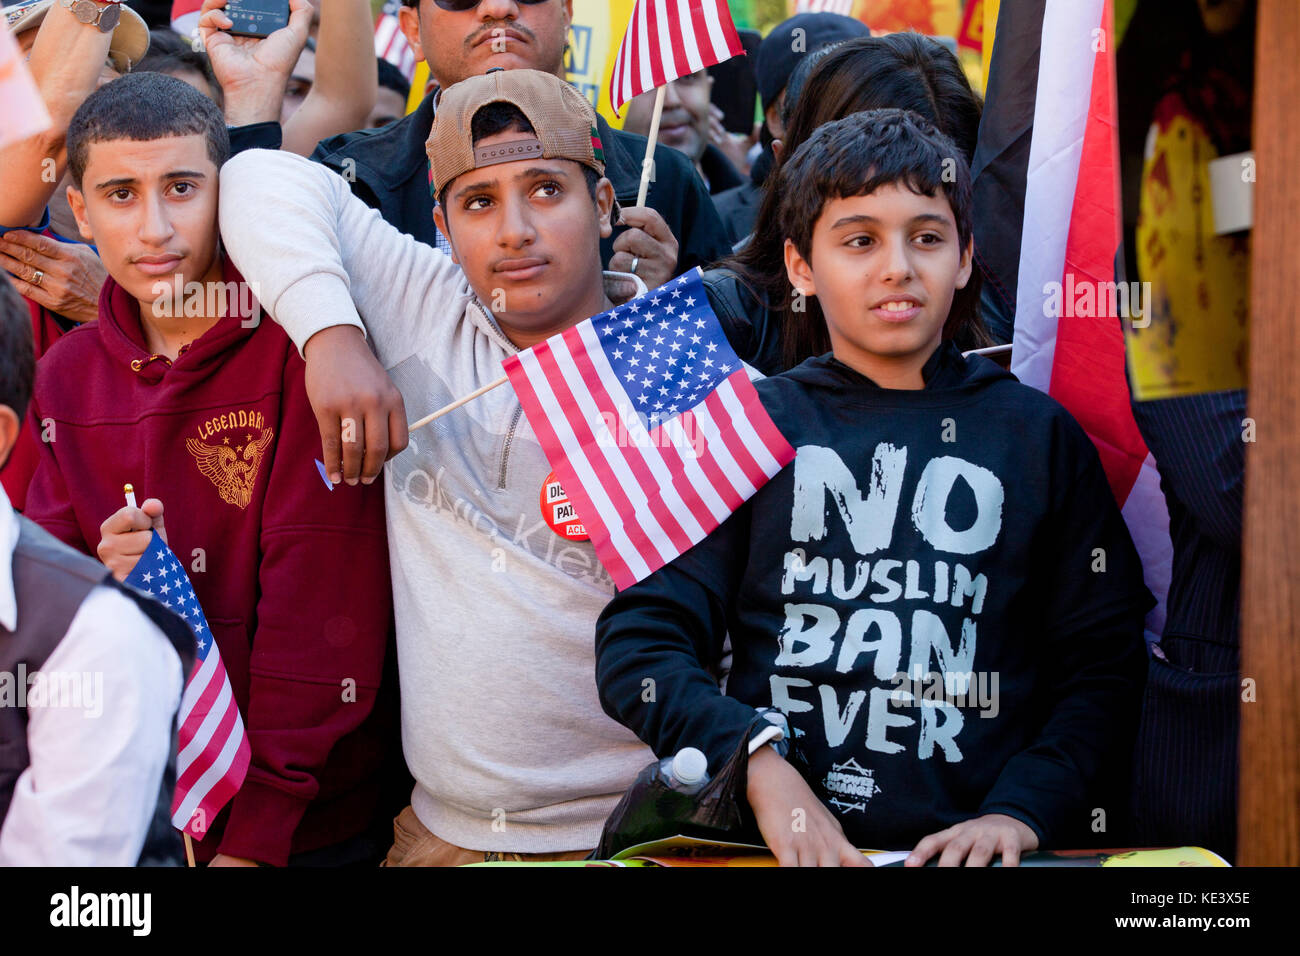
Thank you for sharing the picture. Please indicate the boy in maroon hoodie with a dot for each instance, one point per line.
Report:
(201, 406)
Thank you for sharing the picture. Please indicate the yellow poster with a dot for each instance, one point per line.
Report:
(1195, 284)
(419, 86)
(987, 35)
(594, 37)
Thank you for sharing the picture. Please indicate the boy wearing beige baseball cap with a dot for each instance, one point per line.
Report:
(522, 257)
(501, 724)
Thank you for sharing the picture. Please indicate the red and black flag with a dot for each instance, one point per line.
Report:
(1048, 238)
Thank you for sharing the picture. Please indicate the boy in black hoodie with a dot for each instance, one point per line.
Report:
(939, 593)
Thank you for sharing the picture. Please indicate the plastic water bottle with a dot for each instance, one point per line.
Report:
(687, 772)
(665, 797)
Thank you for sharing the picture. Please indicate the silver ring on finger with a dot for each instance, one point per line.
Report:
(636, 261)
(37, 277)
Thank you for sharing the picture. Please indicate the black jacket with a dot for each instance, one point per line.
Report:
(739, 205)
(738, 208)
(389, 170)
(965, 528)
(752, 329)
(718, 171)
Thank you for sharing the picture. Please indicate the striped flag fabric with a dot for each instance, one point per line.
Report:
(667, 39)
(214, 750)
(1048, 236)
(651, 423)
(391, 43)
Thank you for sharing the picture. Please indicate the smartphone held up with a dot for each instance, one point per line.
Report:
(256, 18)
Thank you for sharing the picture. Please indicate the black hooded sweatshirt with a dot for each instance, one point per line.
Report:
(964, 530)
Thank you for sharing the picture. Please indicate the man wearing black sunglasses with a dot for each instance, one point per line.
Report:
(677, 230)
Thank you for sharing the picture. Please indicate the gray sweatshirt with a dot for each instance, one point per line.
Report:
(501, 724)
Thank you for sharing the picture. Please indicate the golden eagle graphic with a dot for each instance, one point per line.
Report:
(234, 475)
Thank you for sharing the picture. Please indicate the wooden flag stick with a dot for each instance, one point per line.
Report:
(456, 404)
(648, 166)
(189, 848)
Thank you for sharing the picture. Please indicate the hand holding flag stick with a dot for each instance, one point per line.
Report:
(420, 423)
(665, 41)
(129, 491)
(214, 752)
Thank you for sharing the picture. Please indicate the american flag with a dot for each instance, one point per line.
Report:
(666, 39)
(651, 424)
(214, 751)
(390, 43)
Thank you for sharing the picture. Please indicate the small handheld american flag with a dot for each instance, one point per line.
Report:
(651, 424)
(667, 39)
(214, 750)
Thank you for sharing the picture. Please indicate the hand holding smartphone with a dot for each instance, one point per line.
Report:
(251, 58)
(256, 18)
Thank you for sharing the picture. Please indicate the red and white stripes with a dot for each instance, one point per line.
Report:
(645, 496)
(1072, 232)
(214, 750)
(667, 39)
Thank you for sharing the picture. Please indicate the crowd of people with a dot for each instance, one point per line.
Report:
(238, 258)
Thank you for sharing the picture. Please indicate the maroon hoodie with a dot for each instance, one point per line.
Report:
(293, 578)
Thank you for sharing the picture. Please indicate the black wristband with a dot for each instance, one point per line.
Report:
(266, 135)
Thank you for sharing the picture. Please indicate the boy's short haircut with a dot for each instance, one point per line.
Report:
(499, 117)
(860, 153)
(17, 352)
(855, 156)
(143, 107)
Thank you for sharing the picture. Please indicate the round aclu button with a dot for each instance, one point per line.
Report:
(558, 511)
